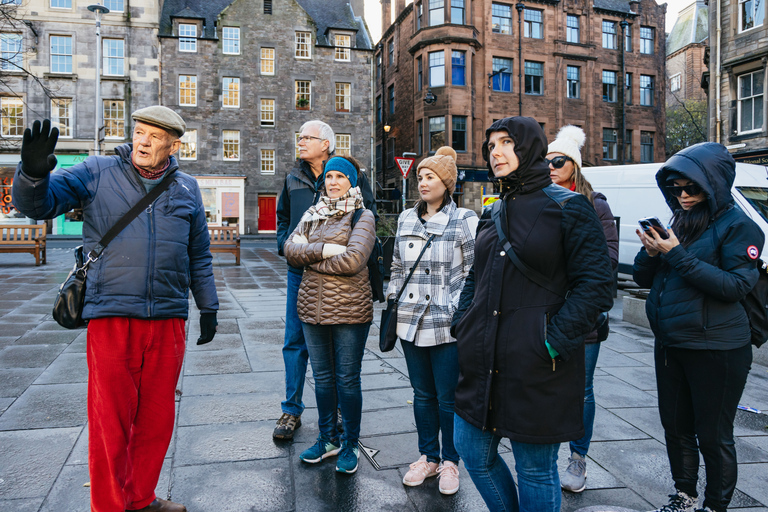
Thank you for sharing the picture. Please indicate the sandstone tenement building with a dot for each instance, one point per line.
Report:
(686, 46)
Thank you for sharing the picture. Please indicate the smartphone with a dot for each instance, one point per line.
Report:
(653, 223)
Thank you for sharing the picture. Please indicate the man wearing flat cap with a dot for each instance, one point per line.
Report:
(136, 302)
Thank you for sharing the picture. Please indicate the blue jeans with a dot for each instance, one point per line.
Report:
(294, 350)
(434, 372)
(536, 465)
(336, 353)
(581, 446)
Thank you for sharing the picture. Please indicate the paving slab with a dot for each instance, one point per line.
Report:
(47, 337)
(14, 381)
(216, 362)
(22, 505)
(244, 441)
(29, 356)
(67, 368)
(51, 405)
(237, 383)
(233, 408)
(5, 403)
(609, 426)
(640, 377)
(388, 421)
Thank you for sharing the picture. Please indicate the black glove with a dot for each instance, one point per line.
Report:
(208, 325)
(37, 159)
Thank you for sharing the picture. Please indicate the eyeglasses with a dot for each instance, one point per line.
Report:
(306, 138)
(692, 190)
(558, 161)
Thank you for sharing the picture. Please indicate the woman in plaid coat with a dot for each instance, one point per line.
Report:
(426, 307)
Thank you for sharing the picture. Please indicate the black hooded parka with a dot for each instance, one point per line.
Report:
(508, 383)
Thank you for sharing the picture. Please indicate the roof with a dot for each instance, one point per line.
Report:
(207, 10)
(621, 6)
(691, 27)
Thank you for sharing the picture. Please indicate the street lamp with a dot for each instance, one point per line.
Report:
(99, 10)
(430, 98)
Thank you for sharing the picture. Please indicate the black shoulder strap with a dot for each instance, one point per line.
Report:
(356, 216)
(559, 195)
(413, 268)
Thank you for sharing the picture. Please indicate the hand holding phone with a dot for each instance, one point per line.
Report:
(653, 223)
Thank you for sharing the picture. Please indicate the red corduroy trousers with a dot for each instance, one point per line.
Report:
(133, 368)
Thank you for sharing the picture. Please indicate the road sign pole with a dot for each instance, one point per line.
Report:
(404, 190)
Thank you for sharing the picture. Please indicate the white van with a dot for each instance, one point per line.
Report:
(633, 194)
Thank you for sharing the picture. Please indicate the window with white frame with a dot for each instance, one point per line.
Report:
(534, 78)
(502, 74)
(61, 4)
(61, 54)
(267, 161)
(343, 144)
(457, 12)
(533, 23)
(610, 144)
(303, 45)
(751, 14)
(419, 12)
(114, 119)
(187, 38)
(187, 90)
(436, 12)
(343, 96)
(501, 18)
(303, 94)
(10, 52)
(267, 61)
(230, 92)
(646, 90)
(573, 75)
(646, 146)
(675, 82)
(458, 67)
(436, 133)
(267, 112)
(572, 29)
(114, 57)
(115, 5)
(609, 34)
(646, 40)
(12, 116)
(61, 116)
(230, 44)
(343, 44)
(437, 69)
(609, 86)
(628, 39)
(231, 144)
(188, 149)
(750, 102)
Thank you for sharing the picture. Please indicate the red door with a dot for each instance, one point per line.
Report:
(267, 213)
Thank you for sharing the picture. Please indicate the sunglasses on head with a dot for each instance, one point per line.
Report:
(692, 190)
(558, 161)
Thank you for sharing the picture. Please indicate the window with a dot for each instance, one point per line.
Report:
(343, 96)
(187, 90)
(391, 94)
(609, 35)
(61, 4)
(574, 82)
(572, 29)
(751, 14)
(343, 43)
(267, 161)
(419, 137)
(230, 92)
(534, 27)
(187, 38)
(61, 116)
(436, 12)
(609, 144)
(646, 40)
(646, 146)
(296, 145)
(419, 74)
(750, 105)
(12, 116)
(230, 40)
(534, 77)
(628, 147)
(378, 67)
(267, 6)
(457, 12)
(303, 48)
(391, 49)
(231, 142)
(628, 39)
(188, 149)
(675, 82)
(114, 5)
(501, 18)
(378, 109)
(458, 68)
(459, 133)
(267, 61)
(61, 54)
(343, 144)
(114, 119)
(628, 88)
(419, 12)
(303, 94)
(502, 74)
(10, 49)
(437, 69)
(436, 133)
(609, 86)
(267, 110)
(646, 90)
(114, 57)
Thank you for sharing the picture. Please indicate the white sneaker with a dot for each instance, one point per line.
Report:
(449, 477)
(420, 471)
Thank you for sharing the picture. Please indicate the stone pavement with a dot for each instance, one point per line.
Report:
(222, 457)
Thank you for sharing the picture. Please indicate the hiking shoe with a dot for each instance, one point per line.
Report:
(575, 477)
(322, 449)
(449, 477)
(339, 422)
(286, 426)
(679, 502)
(420, 471)
(347, 461)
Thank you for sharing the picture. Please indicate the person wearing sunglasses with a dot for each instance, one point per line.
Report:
(697, 278)
(564, 160)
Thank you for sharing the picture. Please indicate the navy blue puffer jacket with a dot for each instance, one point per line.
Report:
(148, 269)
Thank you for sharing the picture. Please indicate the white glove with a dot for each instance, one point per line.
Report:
(298, 238)
(333, 250)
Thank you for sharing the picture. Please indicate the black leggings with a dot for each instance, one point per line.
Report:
(698, 394)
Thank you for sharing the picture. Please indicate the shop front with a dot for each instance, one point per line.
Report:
(224, 200)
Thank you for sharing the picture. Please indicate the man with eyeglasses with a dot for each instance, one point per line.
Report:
(301, 189)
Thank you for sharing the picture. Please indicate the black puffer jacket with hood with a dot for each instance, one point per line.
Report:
(508, 383)
(695, 290)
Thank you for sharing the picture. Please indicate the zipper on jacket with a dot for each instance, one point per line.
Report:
(150, 213)
(546, 321)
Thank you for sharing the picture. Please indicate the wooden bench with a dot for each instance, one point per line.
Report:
(225, 239)
(24, 238)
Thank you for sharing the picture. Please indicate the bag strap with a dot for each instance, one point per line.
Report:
(356, 216)
(413, 268)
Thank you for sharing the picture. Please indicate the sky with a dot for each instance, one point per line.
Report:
(373, 14)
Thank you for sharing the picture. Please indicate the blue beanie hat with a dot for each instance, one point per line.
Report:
(343, 166)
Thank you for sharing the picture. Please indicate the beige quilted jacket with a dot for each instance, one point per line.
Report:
(335, 290)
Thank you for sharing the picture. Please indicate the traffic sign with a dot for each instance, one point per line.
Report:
(405, 165)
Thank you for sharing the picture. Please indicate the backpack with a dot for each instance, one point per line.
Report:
(756, 306)
(375, 264)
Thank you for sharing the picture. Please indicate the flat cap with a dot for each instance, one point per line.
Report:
(161, 116)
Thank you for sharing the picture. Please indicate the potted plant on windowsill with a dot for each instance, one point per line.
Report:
(302, 104)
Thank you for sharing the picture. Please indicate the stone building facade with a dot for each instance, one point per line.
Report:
(686, 47)
(245, 76)
(446, 70)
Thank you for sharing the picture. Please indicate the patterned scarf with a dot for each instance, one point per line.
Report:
(327, 207)
(150, 175)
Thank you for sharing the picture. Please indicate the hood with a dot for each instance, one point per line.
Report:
(530, 148)
(710, 166)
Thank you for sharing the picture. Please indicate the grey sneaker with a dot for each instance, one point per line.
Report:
(679, 502)
(575, 477)
(286, 426)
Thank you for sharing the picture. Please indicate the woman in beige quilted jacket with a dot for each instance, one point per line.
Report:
(335, 306)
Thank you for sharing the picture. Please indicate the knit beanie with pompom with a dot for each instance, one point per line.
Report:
(569, 141)
(444, 165)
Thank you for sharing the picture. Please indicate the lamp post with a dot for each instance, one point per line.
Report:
(99, 10)
(520, 6)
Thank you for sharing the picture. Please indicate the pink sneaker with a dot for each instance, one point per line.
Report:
(449, 477)
(420, 471)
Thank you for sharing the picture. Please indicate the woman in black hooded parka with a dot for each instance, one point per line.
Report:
(521, 344)
(703, 354)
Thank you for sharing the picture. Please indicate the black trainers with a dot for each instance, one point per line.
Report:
(679, 502)
(286, 426)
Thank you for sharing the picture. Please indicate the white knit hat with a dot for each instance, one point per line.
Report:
(569, 141)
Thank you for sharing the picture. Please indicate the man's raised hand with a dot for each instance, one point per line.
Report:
(37, 146)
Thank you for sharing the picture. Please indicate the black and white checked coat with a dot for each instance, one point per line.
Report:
(432, 295)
